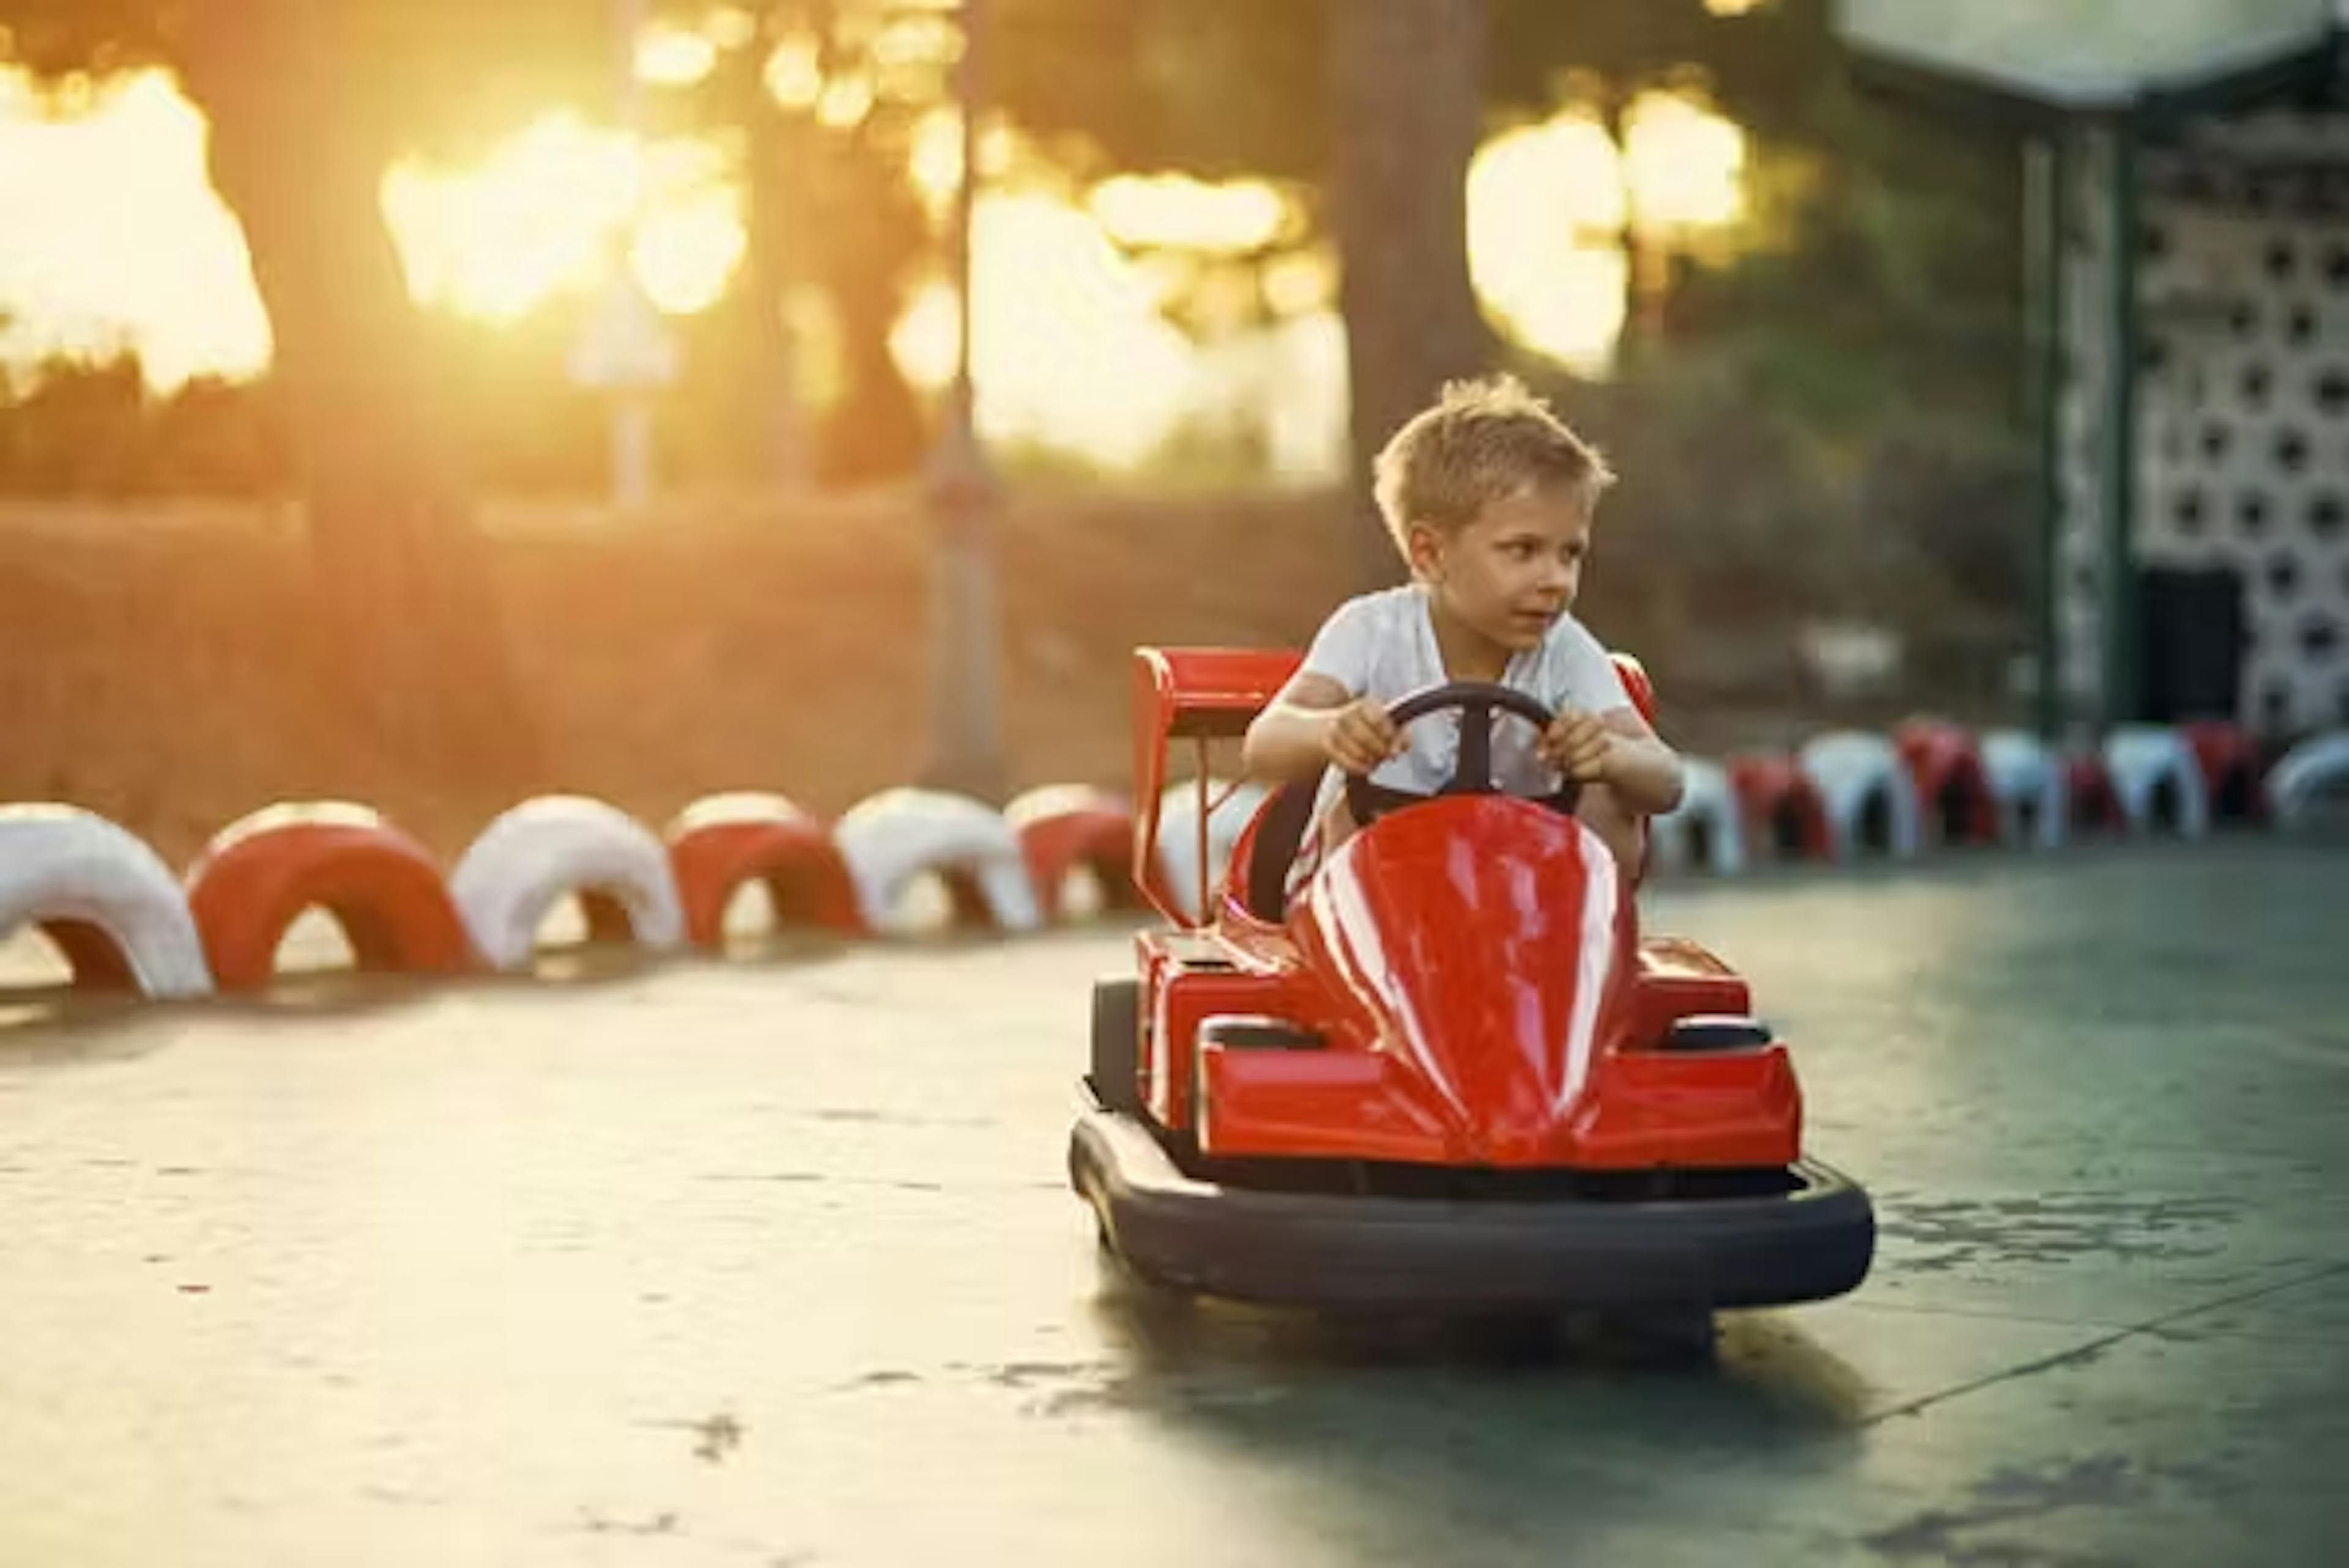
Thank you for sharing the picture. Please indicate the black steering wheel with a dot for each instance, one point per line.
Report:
(1472, 774)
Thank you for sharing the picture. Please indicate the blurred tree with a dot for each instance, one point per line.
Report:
(827, 98)
(1231, 88)
(1371, 111)
(1756, 63)
(823, 101)
(1408, 79)
(1862, 336)
(309, 102)
(1219, 89)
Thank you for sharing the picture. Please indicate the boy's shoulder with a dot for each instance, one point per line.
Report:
(1569, 635)
(1364, 636)
(1379, 609)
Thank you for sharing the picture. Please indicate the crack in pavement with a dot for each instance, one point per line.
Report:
(2094, 1347)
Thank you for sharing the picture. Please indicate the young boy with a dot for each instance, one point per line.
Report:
(1490, 499)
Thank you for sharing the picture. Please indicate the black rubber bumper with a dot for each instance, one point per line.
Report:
(1379, 1253)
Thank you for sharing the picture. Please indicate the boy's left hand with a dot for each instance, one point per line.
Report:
(1577, 745)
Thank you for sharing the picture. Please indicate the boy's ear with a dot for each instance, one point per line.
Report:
(1424, 547)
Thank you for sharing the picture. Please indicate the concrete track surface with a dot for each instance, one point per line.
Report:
(771, 1262)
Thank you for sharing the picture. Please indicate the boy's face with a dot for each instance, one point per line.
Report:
(1510, 573)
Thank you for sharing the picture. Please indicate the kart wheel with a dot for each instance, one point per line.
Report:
(1117, 1045)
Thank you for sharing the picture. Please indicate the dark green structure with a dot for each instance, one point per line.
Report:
(2189, 183)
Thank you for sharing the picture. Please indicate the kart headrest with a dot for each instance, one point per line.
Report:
(1642, 690)
(1208, 691)
(1202, 694)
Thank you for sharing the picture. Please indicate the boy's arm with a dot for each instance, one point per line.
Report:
(1618, 749)
(1644, 772)
(1312, 723)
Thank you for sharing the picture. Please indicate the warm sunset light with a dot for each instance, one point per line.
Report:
(1685, 164)
(1072, 349)
(159, 265)
(1545, 204)
(540, 216)
(1174, 210)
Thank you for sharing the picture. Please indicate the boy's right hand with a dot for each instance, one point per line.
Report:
(1360, 735)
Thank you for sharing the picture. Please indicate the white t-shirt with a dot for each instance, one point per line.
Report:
(1382, 646)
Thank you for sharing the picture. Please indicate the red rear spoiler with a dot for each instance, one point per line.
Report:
(1203, 694)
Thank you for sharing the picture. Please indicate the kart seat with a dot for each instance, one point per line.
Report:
(1272, 844)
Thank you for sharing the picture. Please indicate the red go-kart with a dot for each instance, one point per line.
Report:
(1447, 1073)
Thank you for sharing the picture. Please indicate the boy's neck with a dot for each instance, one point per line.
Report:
(1467, 653)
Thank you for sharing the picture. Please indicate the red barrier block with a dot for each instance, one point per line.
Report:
(1953, 792)
(1781, 806)
(1064, 827)
(2095, 804)
(718, 844)
(382, 888)
(2231, 761)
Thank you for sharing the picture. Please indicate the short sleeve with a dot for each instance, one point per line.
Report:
(1579, 673)
(1342, 648)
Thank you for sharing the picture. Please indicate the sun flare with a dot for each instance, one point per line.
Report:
(1072, 349)
(545, 213)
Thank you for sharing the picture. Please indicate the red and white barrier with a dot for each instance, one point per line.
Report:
(105, 900)
(543, 850)
(382, 887)
(119, 918)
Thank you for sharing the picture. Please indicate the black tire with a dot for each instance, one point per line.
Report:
(1116, 1070)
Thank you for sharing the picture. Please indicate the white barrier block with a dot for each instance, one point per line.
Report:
(2309, 774)
(537, 852)
(65, 864)
(1852, 770)
(2144, 758)
(1061, 800)
(2028, 784)
(1707, 816)
(1178, 835)
(891, 837)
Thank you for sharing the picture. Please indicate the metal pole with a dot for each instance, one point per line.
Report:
(2042, 198)
(966, 727)
(969, 85)
(632, 408)
(2120, 618)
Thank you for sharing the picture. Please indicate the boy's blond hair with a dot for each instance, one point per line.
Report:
(1482, 441)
